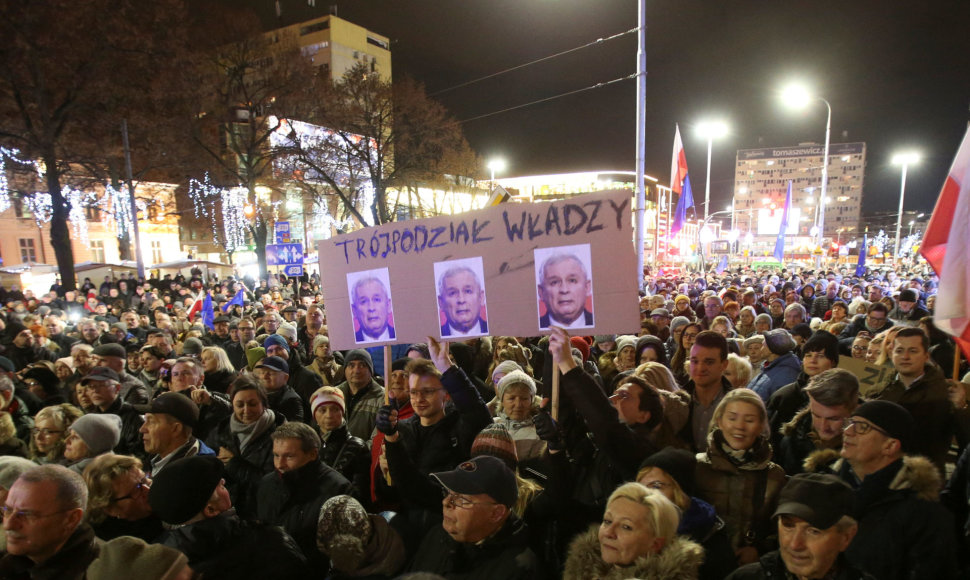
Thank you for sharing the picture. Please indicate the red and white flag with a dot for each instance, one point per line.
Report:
(946, 246)
(196, 307)
(678, 164)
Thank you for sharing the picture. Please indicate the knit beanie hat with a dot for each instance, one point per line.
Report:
(192, 346)
(100, 432)
(254, 355)
(343, 532)
(779, 341)
(624, 341)
(578, 343)
(505, 367)
(11, 467)
(325, 395)
(181, 490)
(496, 441)
(45, 378)
(129, 557)
(277, 340)
(360, 355)
(679, 464)
(824, 342)
(678, 322)
(287, 331)
(891, 417)
(908, 295)
(515, 378)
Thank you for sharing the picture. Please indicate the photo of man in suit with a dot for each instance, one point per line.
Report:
(461, 298)
(371, 305)
(564, 286)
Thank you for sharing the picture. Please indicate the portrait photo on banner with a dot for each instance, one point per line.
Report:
(564, 286)
(370, 305)
(461, 297)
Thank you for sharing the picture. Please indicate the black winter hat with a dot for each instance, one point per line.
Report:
(182, 490)
(677, 463)
(908, 295)
(360, 355)
(45, 378)
(890, 417)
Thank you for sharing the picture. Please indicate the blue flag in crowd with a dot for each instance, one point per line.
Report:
(722, 265)
(860, 269)
(238, 299)
(207, 314)
(780, 242)
(686, 201)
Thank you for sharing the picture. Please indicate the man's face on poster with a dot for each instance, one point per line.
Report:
(461, 299)
(564, 289)
(371, 307)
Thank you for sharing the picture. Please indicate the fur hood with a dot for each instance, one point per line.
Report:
(679, 560)
(917, 473)
(8, 430)
(788, 429)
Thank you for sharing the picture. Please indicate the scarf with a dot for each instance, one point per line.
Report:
(750, 459)
(245, 434)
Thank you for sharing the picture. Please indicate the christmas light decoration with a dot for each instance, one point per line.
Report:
(225, 207)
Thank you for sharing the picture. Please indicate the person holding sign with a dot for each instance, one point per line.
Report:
(371, 306)
(564, 286)
(461, 298)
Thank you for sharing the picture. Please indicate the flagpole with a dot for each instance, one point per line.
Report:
(641, 136)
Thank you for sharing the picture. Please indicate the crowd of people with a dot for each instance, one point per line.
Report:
(722, 440)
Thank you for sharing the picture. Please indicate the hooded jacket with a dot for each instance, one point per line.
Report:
(798, 442)
(775, 375)
(679, 560)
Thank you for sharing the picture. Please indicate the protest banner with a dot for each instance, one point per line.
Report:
(872, 378)
(508, 270)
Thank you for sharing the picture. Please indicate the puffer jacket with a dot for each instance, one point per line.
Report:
(679, 560)
(798, 441)
(744, 493)
(775, 375)
(245, 470)
(349, 456)
(784, 404)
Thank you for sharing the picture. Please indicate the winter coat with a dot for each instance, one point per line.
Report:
(69, 563)
(245, 470)
(293, 500)
(927, 400)
(287, 403)
(701, 524)
(745, 494)
(375, 453)
(504, 555)
(228, 548)
(956, 494)
(679, 560)
(771, 566)
(362, 414)
(775, 375)
(133, 390)
(857, 325)
(21, 357)
(785, 404)
(799, 441)
(10, 444)
(304, 383)
(349, 456)
(218, 381)
(131, 421)
(383, 556)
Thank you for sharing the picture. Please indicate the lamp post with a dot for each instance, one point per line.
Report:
(495, 165)
(904, 159)
(710, 130)
(797, 96)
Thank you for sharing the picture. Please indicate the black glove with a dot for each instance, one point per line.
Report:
(384, 424)
(548, 430)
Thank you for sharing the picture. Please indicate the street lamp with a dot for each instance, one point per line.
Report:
(710, 130)
(905, 159)
(797, 96)
(495, 165)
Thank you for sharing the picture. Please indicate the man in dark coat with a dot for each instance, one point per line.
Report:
(874, 321)
(21, 348)
(819, 354)
(43, 522)
(479, 537)
(302, 380)
(292, 495)
(191, 496)
(104, 387)
(907, 310)
(273, 373)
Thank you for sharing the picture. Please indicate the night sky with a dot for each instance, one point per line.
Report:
(896, 74)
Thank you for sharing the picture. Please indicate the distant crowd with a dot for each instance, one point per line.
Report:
(730, 438)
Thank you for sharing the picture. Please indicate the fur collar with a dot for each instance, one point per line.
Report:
(788, 429)
(917, 472)
(679, 560)
(8, 430)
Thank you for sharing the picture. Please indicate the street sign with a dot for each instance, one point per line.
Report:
(282, 232)
(293, 270)
(284, 254)
(720, 247)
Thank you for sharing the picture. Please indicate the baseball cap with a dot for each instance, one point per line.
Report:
(482, 475)
(821, 499)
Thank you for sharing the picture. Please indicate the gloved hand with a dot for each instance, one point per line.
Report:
(387, 420)
(548, 430)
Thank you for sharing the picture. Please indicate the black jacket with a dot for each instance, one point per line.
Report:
(784, 404)
(131, 421)
(69, 563)
(505, 555)
(21, 357)
(771, 566)
(350, 457)
(293, 500)
(226, 547)
(287, 403)
(218, 381)
(304, 382)
(245, 470)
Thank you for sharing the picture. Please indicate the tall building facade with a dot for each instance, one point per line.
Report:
(340, 45)
(761, 181)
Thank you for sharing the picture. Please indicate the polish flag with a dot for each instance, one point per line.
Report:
(946, 246)
(196, 307)
(678, 164)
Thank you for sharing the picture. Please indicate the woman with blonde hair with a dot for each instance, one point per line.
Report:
(885, 357)
(736, 474)
(636, 539)
(218, 369)
(745, 326)
(49, 434)
(739, 371)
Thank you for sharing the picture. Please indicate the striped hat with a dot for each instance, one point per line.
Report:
(495, 440)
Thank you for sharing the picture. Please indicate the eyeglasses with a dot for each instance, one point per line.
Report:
(860, 348)
(142, 484)
(423, 393)
(624, 395)
(28, 516)
(861, 428)
(658, 485)
(31, 383)
(45, 432)
(690, 334)
(454, 500)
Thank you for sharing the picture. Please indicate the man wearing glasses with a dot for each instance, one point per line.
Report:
(875, 321)
(479, 534)
(42, 520)
(103, 387)
(904, 532)
(118, 498)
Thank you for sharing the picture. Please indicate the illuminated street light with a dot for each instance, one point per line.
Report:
(798, 96)
(905, 159)
(495, 165)
(710, 130)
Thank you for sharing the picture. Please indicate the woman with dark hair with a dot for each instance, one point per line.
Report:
(807, 295)
(245, 443)
(679, 363)
(651, 349)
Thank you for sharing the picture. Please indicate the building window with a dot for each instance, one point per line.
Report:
(27, 251)
(156, 252)
(92, 213)
(315, 27)
(97, 251)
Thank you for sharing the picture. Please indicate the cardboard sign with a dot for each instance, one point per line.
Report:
(872, 378)
(569, 263)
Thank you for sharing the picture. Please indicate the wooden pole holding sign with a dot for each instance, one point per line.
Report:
(387, 392)
(956, 363)
(554, 402)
